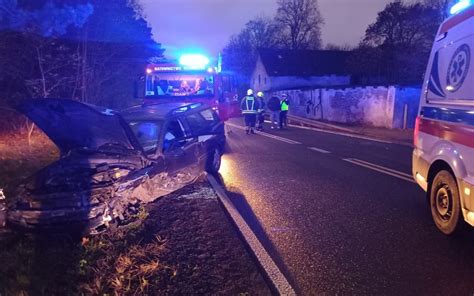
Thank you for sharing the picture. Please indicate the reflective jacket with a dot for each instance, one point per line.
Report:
(284, 105)
(249, 105)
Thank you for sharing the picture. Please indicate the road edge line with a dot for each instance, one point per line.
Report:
(352, 135)
(401, 177)
(273, 273)
(383, 168)
(308, 121)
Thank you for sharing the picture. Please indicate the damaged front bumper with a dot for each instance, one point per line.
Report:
(91, 211)
(86, 210)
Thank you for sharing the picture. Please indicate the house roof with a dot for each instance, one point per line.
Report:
(304, 63)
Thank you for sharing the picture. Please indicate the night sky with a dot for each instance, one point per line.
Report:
(207, 24)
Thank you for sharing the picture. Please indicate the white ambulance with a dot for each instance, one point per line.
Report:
(443, 158)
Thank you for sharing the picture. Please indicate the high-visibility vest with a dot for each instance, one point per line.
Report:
(284, 106)
(249, 105)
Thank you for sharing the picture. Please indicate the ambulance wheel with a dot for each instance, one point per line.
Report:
(445, 203)
(214, 161)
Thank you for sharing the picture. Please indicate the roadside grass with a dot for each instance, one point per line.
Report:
(122, 262)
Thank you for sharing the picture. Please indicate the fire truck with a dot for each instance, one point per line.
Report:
(192, 78)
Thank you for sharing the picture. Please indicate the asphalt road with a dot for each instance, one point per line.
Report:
(340, 215)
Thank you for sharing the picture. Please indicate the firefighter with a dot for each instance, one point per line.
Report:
(284, 106)
(249, 107)
(261, 111)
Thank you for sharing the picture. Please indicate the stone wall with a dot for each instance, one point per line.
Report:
(371, 106)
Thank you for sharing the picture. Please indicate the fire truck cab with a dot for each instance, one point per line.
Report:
(192, 79)
(443, 157)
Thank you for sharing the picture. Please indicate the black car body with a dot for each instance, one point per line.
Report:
(111, 162)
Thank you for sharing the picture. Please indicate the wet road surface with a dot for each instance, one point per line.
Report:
(341, 215)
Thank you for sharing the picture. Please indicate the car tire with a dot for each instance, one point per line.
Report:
(214, 161)
(445, 203)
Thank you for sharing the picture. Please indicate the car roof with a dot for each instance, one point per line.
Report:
(159, 111)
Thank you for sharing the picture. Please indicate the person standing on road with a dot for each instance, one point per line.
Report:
(274, 107)
(284, 106)
(249, 107)
(261, 111)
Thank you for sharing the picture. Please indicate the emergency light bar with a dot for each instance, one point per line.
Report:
(460, 6)
(194, 61)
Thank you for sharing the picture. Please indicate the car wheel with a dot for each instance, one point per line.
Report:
(445, 203)
(214, 161)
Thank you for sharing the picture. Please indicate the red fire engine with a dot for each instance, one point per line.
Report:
(192, 79)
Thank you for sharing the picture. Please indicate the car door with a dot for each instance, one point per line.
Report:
(179, 150)
(204, 125)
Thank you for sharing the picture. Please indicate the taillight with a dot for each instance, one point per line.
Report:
(416, 133)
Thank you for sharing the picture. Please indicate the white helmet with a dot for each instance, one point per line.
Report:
(249, 92)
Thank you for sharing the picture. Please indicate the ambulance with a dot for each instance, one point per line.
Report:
(443, 157)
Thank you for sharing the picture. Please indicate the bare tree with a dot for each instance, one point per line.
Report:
(261, 32)
(240, 54)
(43, 69)
(300, 23)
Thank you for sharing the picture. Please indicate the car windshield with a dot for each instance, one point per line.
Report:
(147, 134)
(179, 85)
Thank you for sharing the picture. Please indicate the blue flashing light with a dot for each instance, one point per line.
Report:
(460, 6)
(194, 61)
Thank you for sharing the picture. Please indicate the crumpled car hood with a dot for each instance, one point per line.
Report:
(73, 125)
(73, 189)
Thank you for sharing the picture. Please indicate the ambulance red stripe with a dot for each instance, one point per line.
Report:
(458, 133)
(456, 20)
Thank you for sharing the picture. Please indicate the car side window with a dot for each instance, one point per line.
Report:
(209, 115)
(147, 134)
(201, 121)
(174, 131)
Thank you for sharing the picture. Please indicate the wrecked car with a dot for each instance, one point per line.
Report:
(112, 162)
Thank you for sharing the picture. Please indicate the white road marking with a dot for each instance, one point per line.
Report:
(381, 169)
(267, 135)
(318, 150)
(279, 281)
(334, 133)
(310, 122)
(347, 135)
(384, 168)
